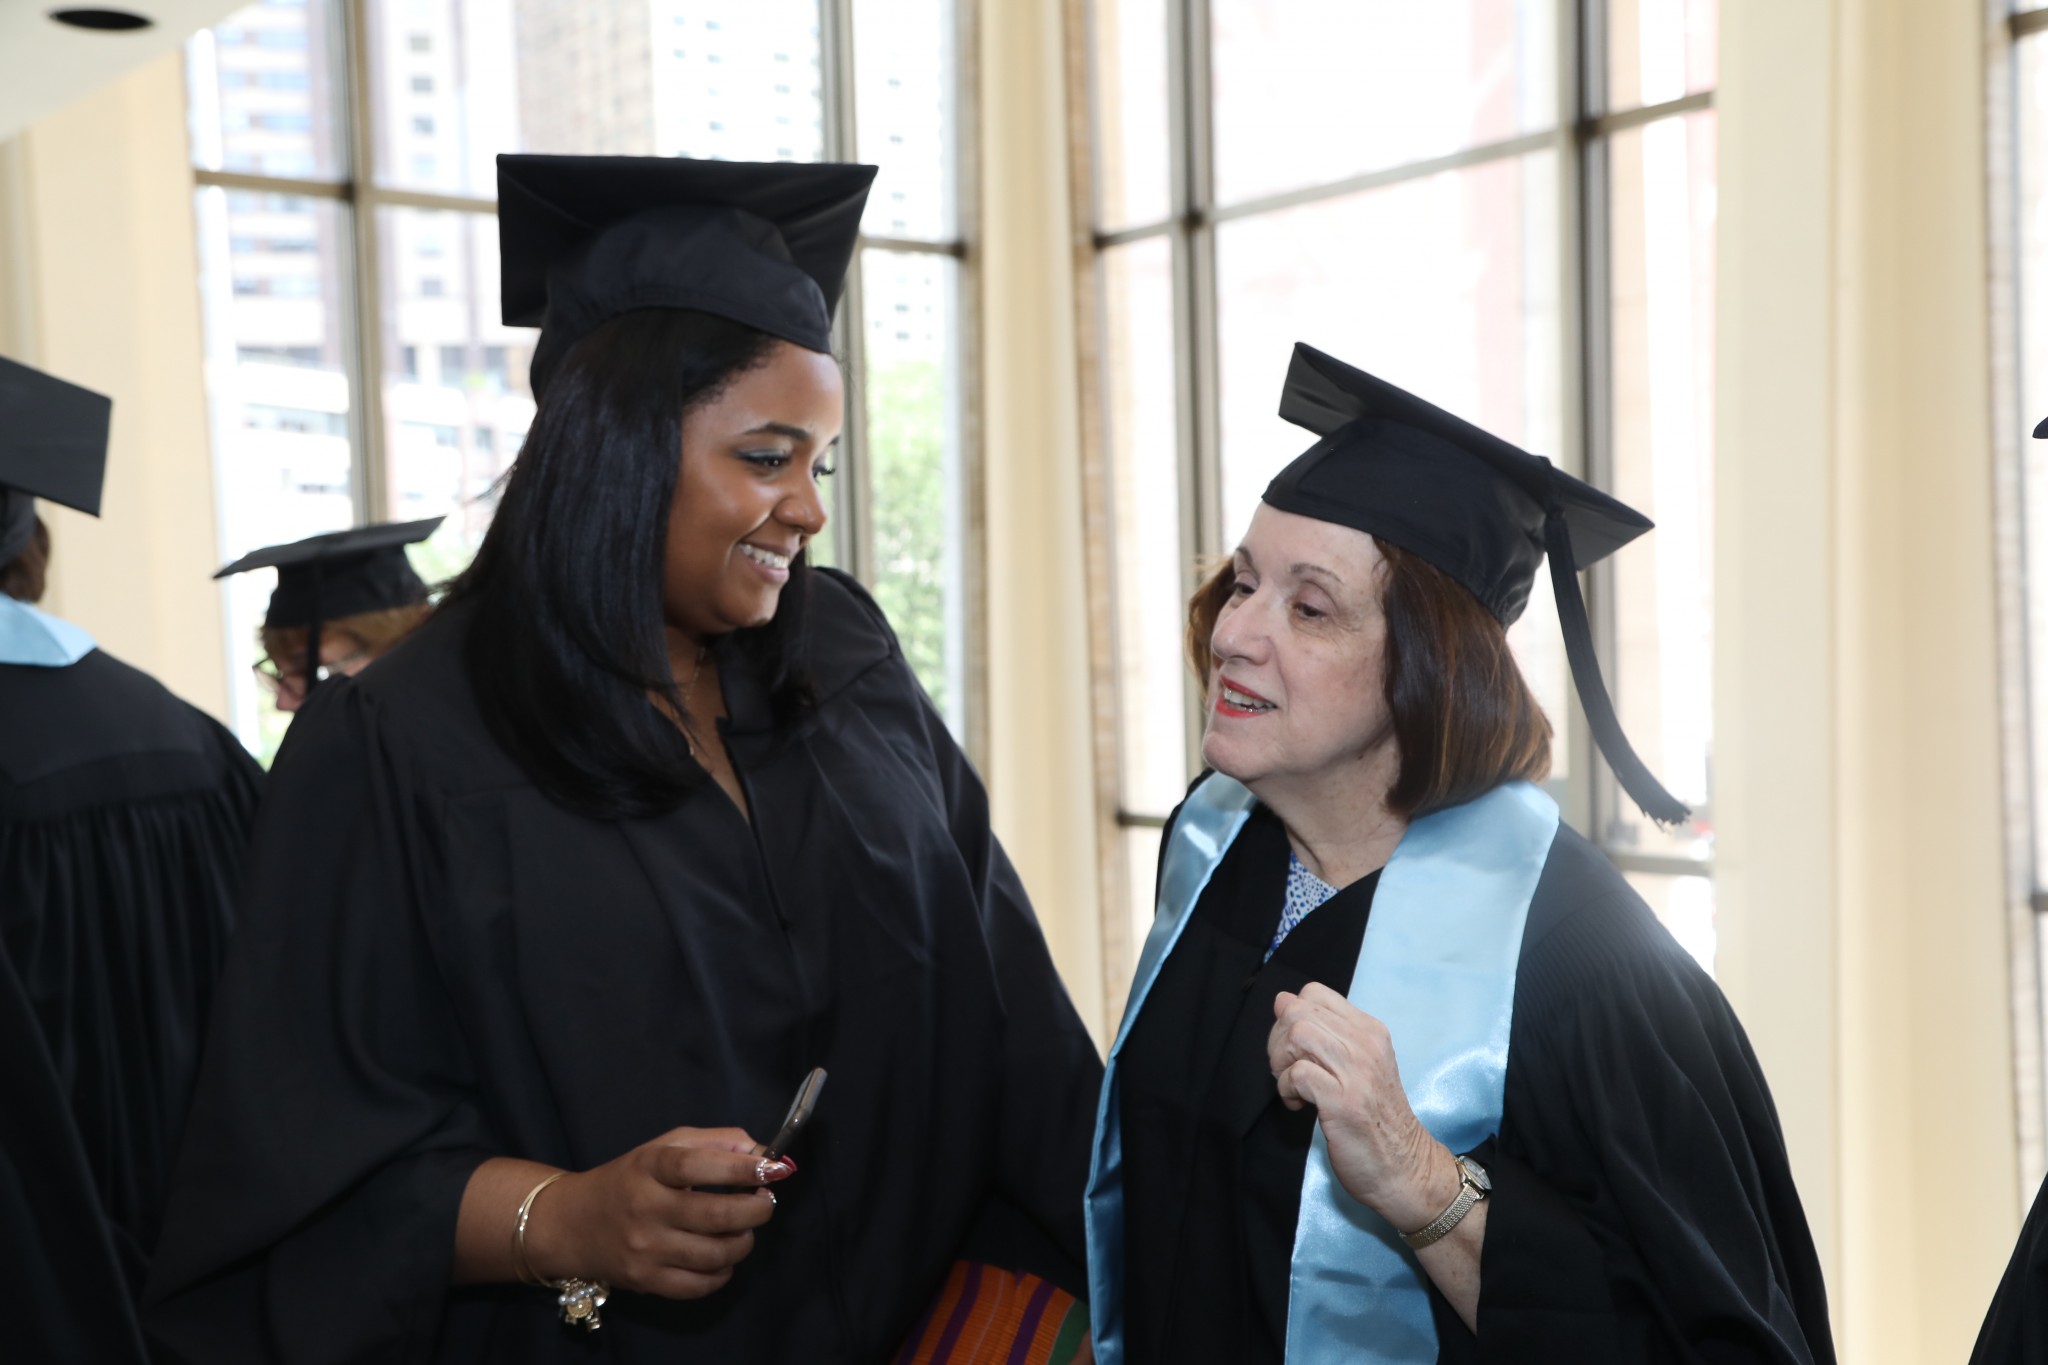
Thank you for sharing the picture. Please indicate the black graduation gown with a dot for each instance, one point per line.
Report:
(1643, 1209)
(440, 965)
(124, 816)
(62, 1300)
(2015, 1331)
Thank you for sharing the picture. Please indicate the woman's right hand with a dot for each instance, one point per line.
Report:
(640, 1222)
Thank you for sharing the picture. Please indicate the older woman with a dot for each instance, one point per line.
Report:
(552, 910)
(1409, 1073)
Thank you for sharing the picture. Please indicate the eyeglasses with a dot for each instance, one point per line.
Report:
(292, 683)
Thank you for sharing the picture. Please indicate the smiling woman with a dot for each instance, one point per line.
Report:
(562, 897)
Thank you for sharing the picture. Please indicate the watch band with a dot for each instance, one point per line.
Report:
(1473, 1185)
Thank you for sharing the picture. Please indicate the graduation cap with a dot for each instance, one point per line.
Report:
(341, 573)
(53, 444)
(1477, 507)
(2041, 430)
(582, 239)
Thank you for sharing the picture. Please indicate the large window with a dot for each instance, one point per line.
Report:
(348, 243)
(1505, 206)
(2018, 86)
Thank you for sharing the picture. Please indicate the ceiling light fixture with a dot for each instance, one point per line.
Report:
(103, 20)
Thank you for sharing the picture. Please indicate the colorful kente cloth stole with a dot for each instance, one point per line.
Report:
(1437, 967)
(988, 1316)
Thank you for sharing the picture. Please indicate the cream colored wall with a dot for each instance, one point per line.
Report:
(1038, 681)
(1857, 740)
(98, 284)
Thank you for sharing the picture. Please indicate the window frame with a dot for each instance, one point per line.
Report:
(356, 189)
(2008, 26)
(1582, 132)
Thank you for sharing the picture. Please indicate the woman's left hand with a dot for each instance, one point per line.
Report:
(1327, 1052)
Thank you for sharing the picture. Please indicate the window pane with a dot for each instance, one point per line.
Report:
(1686, 907)
(1152, 567)
(2032, 171)
(456, 400)
(905, 114)
(1662, 281)
(1133, 168)
(1311, 91)
(1660, 50)
(1468, 319)
(265, 92)
(273, 276)
(911, 390)
(457, 81)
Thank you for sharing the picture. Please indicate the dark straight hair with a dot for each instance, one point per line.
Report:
(566, 648)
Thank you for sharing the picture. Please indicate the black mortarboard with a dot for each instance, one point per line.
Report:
(326, 577)
(2041, 429)
(582, 239)
(53, 444)
(1482, 510)
(341, 573)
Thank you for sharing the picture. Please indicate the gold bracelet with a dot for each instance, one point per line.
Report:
(519, 1265)
(579, 1299)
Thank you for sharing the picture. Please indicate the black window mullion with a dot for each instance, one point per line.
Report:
(369, 476)
(852, 490)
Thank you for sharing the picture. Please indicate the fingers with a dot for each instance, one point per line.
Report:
(682, 1167)
(1303, 1083)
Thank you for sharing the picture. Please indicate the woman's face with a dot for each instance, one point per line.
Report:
(341, 655)
(747, 500)
(1296, 690)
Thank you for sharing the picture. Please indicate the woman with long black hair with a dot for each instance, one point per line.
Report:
(553, 907)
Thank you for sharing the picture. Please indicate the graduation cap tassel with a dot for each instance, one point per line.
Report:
(313, 637)
(1643, 788)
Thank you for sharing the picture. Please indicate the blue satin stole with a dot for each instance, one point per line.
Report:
(1437, 967)
(36, 638)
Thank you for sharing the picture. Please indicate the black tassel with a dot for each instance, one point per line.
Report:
(313, 637)
(1644, 789)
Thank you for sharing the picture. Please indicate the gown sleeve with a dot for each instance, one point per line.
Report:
(1643, 1207)
(60, 1295)
(312, 1211)
(1052, 1071)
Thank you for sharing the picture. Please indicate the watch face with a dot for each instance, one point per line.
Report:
(1477, 1172)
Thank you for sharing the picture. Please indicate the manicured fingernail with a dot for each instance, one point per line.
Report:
(766, 1170)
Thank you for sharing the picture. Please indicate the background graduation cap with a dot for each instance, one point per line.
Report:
(582, 239)
(342, 573)
(53, 444)
(1476, 507)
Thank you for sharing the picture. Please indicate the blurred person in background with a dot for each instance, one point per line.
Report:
(124, 813)
(342, 599)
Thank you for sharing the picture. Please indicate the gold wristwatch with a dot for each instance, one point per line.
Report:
(1473, 1186)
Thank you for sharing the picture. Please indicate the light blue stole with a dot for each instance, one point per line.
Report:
(1438, 969)
(28, 636)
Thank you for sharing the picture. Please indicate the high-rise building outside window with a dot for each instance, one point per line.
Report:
(1507, 208)
(343, 154)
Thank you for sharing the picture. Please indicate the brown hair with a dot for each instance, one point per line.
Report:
(23, 577)
(1463, 718)
(373, 631)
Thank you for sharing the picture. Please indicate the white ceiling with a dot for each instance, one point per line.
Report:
(46, 65)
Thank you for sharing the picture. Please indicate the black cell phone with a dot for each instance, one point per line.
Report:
(800, 1110)
(799, 1114)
